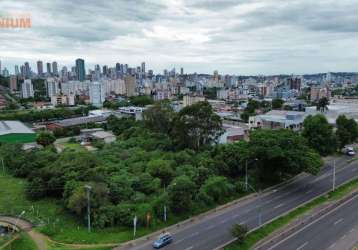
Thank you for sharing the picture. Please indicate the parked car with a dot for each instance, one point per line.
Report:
(163, 240)
(349, 151)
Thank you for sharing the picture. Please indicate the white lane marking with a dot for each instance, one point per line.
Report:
(338, 221)
(352, 230)
(178, 241)
(236, 215)
(344, 236)
(279, 205)
(223, 221)
(210, 227)
(191, 247)
(311, 223)
(309, 191)
(354, 169)
(333, 245)
(302, 246)
(195, 234)
(267, 202)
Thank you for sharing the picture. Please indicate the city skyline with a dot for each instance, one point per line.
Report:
(234, 37)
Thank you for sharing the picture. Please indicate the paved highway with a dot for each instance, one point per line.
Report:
(213, 230)
(337, 230)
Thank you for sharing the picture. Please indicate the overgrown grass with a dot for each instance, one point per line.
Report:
(24, 242)
(5, 238)
(259, 234)
(55, 246)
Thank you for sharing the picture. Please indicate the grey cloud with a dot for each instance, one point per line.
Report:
(215, 5)
(315, 16)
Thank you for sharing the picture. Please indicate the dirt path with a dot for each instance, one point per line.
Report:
(41, 239)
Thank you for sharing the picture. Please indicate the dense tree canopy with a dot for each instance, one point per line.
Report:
(281, 154)
(196, 125)
(145, 170)
(277, 103)
(347, 130)
(45, 138)
(159, 118)
(319, 134)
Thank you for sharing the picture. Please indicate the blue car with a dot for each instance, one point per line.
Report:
(163, 240)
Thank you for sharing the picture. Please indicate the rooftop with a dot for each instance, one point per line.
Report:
(14, 127)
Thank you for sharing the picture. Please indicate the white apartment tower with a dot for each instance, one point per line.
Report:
(97, 93)
(27, 89)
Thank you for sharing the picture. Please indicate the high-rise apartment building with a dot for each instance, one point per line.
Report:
(143, 67)
(52, 86)
(27, 89)
(40, 68)
(97, 93)
(17, 71)
(130, 83)
(48, 66)
(13, 83)
(55, 68)
(80, 70)
(27, 70)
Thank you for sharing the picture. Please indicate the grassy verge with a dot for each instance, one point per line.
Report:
(54, 246)
(269, 228)
(24, 242)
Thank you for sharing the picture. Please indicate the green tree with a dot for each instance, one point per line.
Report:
(322, 104)
(239, 231)
(162, 169)
(159, 117)
(196, 125)
(319, 134)
(141, 100)
(180, 193)
(45, 138)
(347, 130)
(218, 188)
(277, 103)
(282, 154)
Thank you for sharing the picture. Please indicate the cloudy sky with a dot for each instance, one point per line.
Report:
(232, 36)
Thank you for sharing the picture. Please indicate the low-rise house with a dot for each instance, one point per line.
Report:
(232, 134)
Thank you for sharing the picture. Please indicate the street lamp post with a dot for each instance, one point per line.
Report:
(260, 204)
(3, 166)
(246, 173)
(334, 175)
(88, 189)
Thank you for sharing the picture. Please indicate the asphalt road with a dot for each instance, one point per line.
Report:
(213, 230)
(336, 230)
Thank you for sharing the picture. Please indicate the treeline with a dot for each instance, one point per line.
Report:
(43, 115)
(150, 167)
(327, 139)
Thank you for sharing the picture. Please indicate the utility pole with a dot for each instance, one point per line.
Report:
(3, 166)
(246, 173)
(246, 177)
(260, 209)
(334, 175)
(88, 189)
